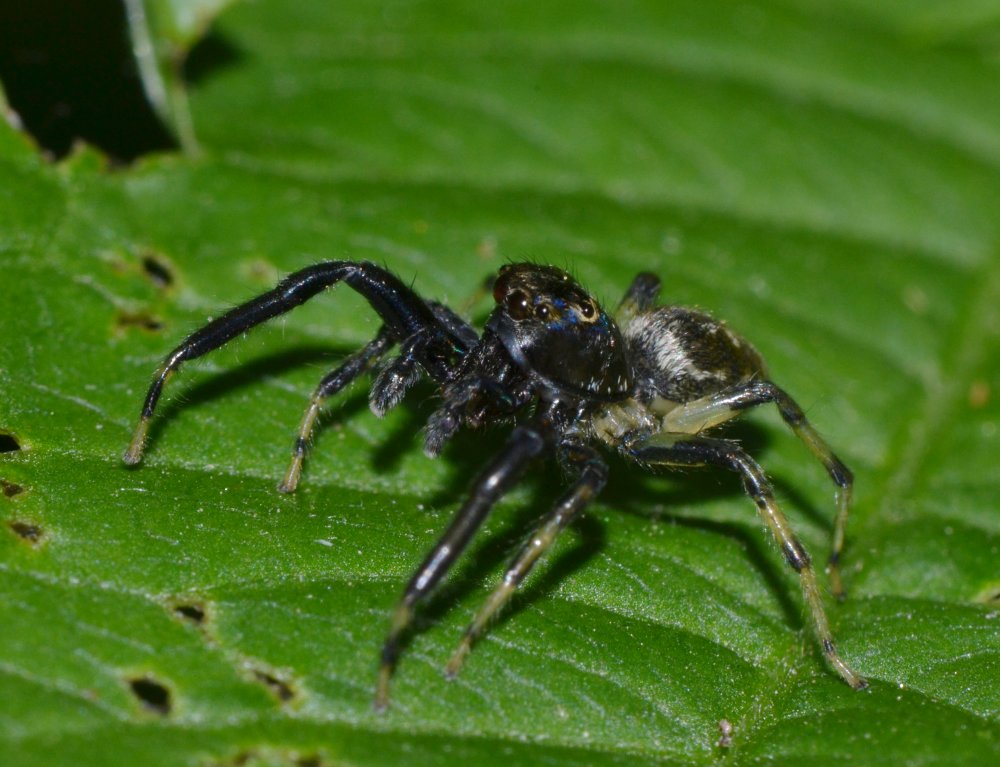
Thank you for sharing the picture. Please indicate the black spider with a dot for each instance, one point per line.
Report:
(649, 382)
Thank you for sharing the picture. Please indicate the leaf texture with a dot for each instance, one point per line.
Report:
(823, 176)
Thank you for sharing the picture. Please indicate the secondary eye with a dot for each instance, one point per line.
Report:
(543, 311)
(587, 311)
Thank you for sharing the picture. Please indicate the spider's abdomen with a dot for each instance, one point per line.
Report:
(680, 354)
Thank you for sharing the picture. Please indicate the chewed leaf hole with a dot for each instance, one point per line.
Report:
(280, 688)
(271, 757)
(10, 489)
(154, 696)
(142, 320)
(8, 443)
(26, 531)
(192, 612)
(158, 271)
(191, 609)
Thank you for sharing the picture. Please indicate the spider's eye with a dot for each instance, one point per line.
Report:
(543, 311)
(517, 305)
(587, 311)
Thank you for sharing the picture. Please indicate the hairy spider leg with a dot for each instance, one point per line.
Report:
(447, 419)
(524, 445)
(392, 383)
(403, 371)
(455, 325)
(709, 411)
(397, 376)
(331, 384)
(592, 474)
(672, 450)
(404, 313)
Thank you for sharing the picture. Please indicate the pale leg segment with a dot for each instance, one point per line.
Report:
(592, 476)
(699, 415)
(675, 450)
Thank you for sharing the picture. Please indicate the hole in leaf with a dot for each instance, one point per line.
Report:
(279, 687)
(10, 489)
(154, 696)
(159, 273)
(192, 612)
(8, 443)
(239, 759)
(26, 531)
(271, 756)
(142, 320)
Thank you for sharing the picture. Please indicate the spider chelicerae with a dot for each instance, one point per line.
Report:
(650, 382)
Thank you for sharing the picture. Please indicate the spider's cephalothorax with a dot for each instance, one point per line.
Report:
(649, 383)
(558, 334)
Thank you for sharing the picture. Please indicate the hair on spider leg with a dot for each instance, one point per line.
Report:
(651, 382)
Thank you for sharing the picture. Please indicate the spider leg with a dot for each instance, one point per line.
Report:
(404, 313)
(332, 383)
(446, 420)
(477, 377)
(671, 450)
(455, 324)
(702, 414)
(402, 372)
(640, 297)
(392, 383)
(524, 445)
(592, 473)
(396, 377)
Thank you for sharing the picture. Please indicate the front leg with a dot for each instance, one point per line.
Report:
(525, 444)
(458, 399)
(592, 474)
(404, 313)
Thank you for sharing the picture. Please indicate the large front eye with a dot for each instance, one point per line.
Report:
(517, 305)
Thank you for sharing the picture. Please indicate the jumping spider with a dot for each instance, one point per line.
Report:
(651, 383)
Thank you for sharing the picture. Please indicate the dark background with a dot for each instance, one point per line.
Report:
(67, 69)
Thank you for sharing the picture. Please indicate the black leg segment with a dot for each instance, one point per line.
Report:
(403, 312)
(640, 297)
(525, 444)
(591, 475)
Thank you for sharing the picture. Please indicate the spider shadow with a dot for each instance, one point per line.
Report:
(693, 490)
(213, 54)
(246, 374)
(622, 493)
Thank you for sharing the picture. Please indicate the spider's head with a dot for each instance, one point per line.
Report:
(556, 331)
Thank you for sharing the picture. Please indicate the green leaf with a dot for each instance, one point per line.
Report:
(823, 176)
(162, 33)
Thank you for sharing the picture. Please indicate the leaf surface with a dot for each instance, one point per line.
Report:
(823, 176)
